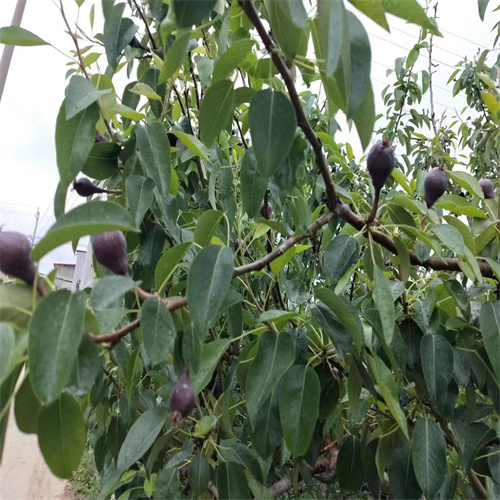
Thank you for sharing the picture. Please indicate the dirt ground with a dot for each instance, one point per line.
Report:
(23, 472)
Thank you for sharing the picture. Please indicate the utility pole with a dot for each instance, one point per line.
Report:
(37, 217)
(8, 50)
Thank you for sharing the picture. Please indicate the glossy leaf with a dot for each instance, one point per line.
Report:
(154, 152)
(199, 474)
(26, 408)
(402, 479)
(490, 331)
(139, 196)
(208, 282)
(86, 367)
(80, 95)
(437, 363)
(299, 407)
(231, 59)
(7, 347)
(216, 110)
(340, 254)
(275, 356)
(168, 262)
(428, 452)
(74, 140)
(15, 35)
(210, 356)
(349, 470)
(253, 184)
(272, 127)
(206, 226)
(189, 12)
(55, 333)
(175, 55)
(90, 218)
(158, 330)
(373, 9)
(450, 237)
(62, 435)
(411, 11)
(232, 482)
(382, 296)
(141, 437)
(387, 387)
(108, 291)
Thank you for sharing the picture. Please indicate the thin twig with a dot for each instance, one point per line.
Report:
(243, 140)
(433, 116)
(279, 62)
(145, 24)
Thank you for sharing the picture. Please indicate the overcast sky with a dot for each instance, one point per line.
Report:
(36, 82)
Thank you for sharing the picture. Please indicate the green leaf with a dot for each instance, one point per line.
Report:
(189, 12)
(168, 262)
(193, 144)
(382, 296)
(118, 32)
(86, 367)
(491, 101)
(55, 333)
(253, 184)
(333, 33)
(387, 387)
(340, 254)
(206, 226)
(333, 327)
(291, 39)
(477, 435)
(108, 291)
(102, 161)
(482, 5)
(490, 331)
(402, 479)
(208, 281)
(467, 182)
(216, 110)
(350, 473)
(299, 407)
(272, 127)
(210, 356)
(87, 219)
(204, 426)
(74, 140)
(154, 152)
(276, 316)
(232, 482)
(346, 313)
(364, 118)
(199, 474)
(62, 435)
(450, 237)
(373, 9)
(7, 347)
(15, 304)
(27, 408)
(15, 35)
(139, 196)
(437, 364)
(127, 112)
(141, 437)
(80, 94)
(175, 55)
(231, 59)
(158, 330)
(145, 90)
(411, 11)
(429, 456)
(459, 205)
(275, 355)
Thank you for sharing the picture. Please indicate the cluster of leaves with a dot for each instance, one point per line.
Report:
(364, 358)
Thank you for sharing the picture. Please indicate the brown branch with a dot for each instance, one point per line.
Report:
(279, 62)
(281, 249)
(145, 24)
(82, 67)
(434, 262)
(241, 132)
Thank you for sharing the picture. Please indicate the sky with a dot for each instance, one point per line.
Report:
(36, 81)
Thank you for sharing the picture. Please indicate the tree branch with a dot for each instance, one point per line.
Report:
(145, 24)
(279, 62)
(82, 67)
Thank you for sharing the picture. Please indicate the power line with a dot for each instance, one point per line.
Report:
(463, 38)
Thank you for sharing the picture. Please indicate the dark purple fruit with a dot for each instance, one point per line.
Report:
(487, 187)
(110, 250)
(15, 258)
(85, 187)
(182, 399)
(380, 162)
(269, 214)
(100, 137)
(434, 185)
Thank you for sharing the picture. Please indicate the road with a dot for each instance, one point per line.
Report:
(23, 472)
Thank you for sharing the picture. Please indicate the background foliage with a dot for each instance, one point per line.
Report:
(320, 350)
